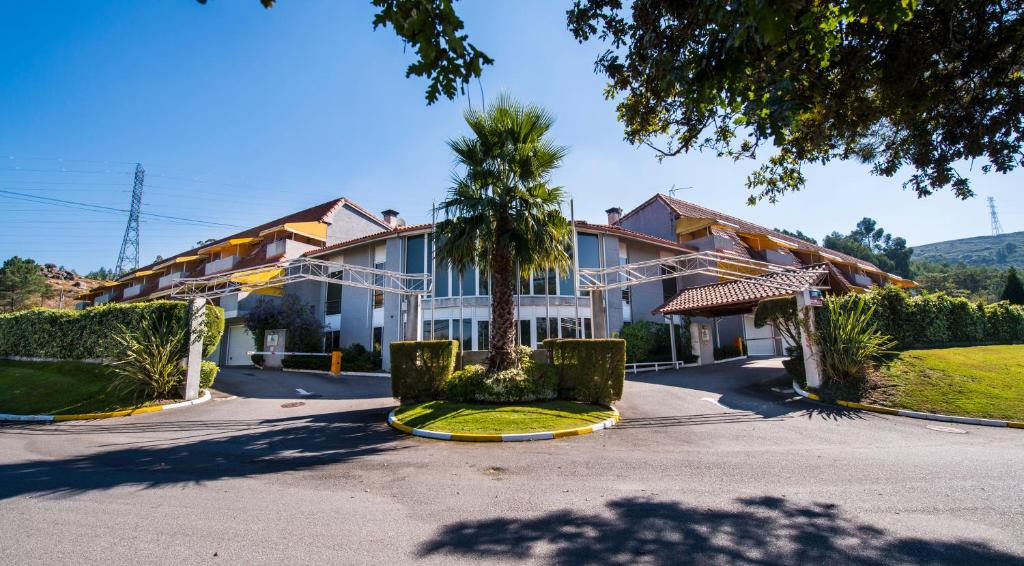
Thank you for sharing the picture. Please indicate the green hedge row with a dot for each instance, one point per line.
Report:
(592, 371)
(88, 334)
(420, 369)
(936, 319)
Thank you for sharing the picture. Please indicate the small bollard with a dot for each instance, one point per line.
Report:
(335, 362)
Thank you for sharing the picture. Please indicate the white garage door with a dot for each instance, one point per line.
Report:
(239, 342)
(760, 341)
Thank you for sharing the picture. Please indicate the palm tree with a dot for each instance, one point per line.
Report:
(501, 212)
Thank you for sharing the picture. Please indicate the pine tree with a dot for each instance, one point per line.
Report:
(1014, 290)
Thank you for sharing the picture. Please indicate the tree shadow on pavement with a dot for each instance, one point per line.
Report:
(758, 530)
(203, 452)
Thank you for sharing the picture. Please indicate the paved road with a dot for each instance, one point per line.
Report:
(703, 469)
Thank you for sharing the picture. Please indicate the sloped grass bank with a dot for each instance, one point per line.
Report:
(60, 388)
(484, 418)
(979, 381)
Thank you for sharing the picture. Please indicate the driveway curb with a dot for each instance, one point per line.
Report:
(911, 414)
(206, 396)
(469, 437)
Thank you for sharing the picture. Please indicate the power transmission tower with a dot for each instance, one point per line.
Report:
(997, 228)
(128, 259)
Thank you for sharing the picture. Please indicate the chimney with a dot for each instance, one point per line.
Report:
(614, 214)
(390, 217)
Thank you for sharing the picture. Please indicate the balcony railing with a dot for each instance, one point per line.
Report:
(290, 249)
(222, 264)
(102, 299)
(132, 291)
(167, 280)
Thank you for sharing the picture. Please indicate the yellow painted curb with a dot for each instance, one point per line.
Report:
(125, 413)
(511, 437)
(111, 414)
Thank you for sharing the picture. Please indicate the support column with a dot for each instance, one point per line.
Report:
(672, 339)
(812, 358)
(197, 327)
(414, 318)
(598, 314)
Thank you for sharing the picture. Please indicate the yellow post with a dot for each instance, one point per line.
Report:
(335, 362)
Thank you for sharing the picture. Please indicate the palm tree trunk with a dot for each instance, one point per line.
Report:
(503, 334)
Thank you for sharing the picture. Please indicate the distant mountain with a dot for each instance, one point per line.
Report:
(1002, 251)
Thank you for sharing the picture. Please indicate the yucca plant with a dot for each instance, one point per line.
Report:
(148, 359)
(849, 340)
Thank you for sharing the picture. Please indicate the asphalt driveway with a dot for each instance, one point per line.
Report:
(704, 468)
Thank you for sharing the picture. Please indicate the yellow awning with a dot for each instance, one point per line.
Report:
(179, 259)
(229, 243)
(687, 225)
(272, 291)
(901, 282)
(257, 276)
(315, 230)
(143, 273)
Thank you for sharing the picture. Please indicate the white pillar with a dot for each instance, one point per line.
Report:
(672, 339)
(197, 320)
(805, 314)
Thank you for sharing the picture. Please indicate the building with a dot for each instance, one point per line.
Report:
(277, 241)
(748, 263)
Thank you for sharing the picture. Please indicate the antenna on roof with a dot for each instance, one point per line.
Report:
(672, 191)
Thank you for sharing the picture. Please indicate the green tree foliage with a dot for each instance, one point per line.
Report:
(781, 313)
(503, 213)
(289, 312)
(444, 55)
(975, 282)
(1014, 290)
(101, 274)
(915, 86)
(22, 284)
(871, 243)
(798, 234)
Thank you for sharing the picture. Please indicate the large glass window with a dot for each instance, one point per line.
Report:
(378, 339)
(441, 280)
(568, 327)
(469, 282)
(565, 282)
(668, 286)
(542, 331)
(588, 329)
(332, 341)
(463, 334)
(525, 337)
(415, 254)
(483, 335)
(552, 282)
(539, 279)
(333, 304)
(485, 283)
(441, 330)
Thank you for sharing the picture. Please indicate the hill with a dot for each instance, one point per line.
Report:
(1001, 251)
(66, 286)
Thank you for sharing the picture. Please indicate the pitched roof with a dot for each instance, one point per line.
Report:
(740, 293)
(690, 210)
(632, 234)
(319, 213)
(384, 234)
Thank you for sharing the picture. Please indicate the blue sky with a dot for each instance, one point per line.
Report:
(241, 114)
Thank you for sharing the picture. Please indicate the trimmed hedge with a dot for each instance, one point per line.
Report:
(588, 370)
(207, 374)
(420, 369)
(88, 334)
(936, 319)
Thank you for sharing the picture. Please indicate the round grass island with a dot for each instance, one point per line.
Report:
(485, 422)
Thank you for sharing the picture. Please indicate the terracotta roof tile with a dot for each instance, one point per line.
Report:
(717, 295)
(363, 239)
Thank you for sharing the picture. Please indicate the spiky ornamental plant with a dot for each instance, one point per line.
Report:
(849, 339)
(148, 358)
(502, 212)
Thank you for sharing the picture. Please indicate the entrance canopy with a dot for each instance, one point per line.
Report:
(741, 296)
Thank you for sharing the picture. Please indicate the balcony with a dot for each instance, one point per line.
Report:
(287, 248)
(168, 280)
(222, 264)
(102, 299)
(133, 291)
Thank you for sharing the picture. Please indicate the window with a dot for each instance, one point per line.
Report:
(568, 328)
(525, 338)
(484, 283)
(524, 285)
(539, 279)
(565, 283)
(463, 334)
(542, 330)
(379, 261)
(378, 339)
(469, 282)
(668, 286)
(552, 282)
(332, 341)
(483, 335)
(441, 280)
(333, 304)
(588, 329)
(441, 330)
(415, 254)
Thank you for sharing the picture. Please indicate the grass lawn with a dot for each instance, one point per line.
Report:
(58, 388)
(980, 381)
(483, 418)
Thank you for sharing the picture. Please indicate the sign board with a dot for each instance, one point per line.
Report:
(816, 298)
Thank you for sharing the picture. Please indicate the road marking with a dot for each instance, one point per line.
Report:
(948, 429)
(715, 401)
(303, 392)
